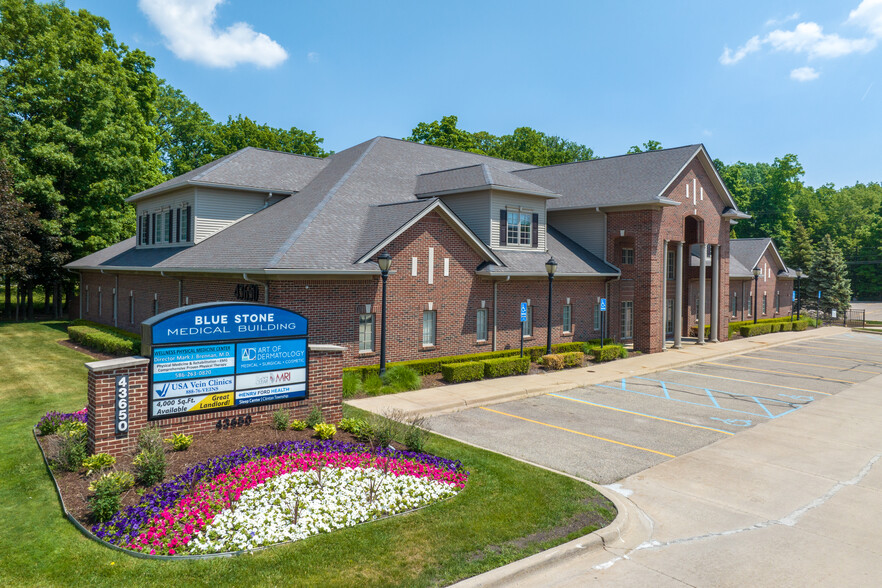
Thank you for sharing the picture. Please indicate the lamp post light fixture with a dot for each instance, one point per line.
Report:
(798, 293)
(550, 267)
(384, 260)
(756, 274)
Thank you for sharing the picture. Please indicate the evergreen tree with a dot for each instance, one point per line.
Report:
(801, 250)
(829, 274)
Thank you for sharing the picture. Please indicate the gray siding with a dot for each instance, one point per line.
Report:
(473, 210)
(585, 227)
(500, 200)
(218, 209)
(169, 201)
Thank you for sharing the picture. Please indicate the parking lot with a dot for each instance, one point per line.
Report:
(605, 432)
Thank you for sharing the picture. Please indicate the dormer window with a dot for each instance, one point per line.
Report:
(519, 231)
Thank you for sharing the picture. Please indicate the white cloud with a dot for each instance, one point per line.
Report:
(774, 22)
(868, 15)
(728, 58)
(809, 37)
(190, 33)
(804, 74)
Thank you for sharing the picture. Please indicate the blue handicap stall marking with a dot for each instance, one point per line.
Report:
(712, 396)
(734, 422)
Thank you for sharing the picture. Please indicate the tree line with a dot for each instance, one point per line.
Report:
(86, 123)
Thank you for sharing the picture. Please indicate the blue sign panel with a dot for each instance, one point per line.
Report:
(794, 296)
(267, 356)
(193, 361)
(523, 312)
(223, 322)
(819, 294)
(603, 305)
(274, 394)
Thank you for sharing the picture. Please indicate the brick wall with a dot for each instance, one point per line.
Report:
(770, 285)
(325, 391)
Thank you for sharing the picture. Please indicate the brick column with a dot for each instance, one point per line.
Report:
(102, 403)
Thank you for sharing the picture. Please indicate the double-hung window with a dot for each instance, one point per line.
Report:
(749, 304)
(627, 319)
(672, 263)
(366, 332)
(527, 325)
(597, 316)
(428, 327)
(628, 256)
(765, 301)
(567, 318)
(734, 303)
(669, 316)
(481, 326)
(778, 302)
(519, 231)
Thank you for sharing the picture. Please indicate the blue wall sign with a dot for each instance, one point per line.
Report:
(523, 312)
(222, 356)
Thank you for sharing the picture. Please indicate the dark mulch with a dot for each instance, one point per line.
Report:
(74, 486)
(85, 350)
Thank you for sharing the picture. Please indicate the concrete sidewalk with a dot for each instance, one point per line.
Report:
(433, 401)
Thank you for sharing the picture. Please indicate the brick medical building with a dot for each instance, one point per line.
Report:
(469, 237)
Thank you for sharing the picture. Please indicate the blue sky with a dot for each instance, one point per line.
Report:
(752, 80)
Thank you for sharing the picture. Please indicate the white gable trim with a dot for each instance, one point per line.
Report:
(451, 218)
(778, 257)
(708, 165)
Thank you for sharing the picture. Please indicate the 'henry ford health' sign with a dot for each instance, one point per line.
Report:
(216, 357)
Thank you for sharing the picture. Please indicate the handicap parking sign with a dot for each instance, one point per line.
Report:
(523, 312)
(794, 296)
(603, 305)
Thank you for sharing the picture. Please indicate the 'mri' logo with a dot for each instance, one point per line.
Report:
(248, 354)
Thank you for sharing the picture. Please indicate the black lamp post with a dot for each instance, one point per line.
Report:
(798, 293)
(384, 260)
(756, 274)
(550, 267)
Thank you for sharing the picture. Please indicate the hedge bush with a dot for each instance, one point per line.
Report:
(608, 352)
(103, 341)
(559, 361)
(505, 366)
(735, 326)
(573, 358)
(467, 371)
(757, 329)
(553, 361)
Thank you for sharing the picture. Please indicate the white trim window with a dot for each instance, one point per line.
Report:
(749, 303)
(365, 332)
(567, 318)
(734, 303)
(597, 316)
(672, 265)
(669, 316)
(627, 319)
(429, 321)
(132, 307)
(627, 256)
(765, 302)
(481, 325)
(88, 299)
(527, 325)
(519, 228)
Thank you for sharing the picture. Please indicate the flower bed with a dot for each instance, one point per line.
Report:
(279, 492)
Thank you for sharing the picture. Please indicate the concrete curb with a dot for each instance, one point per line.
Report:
(447, 399)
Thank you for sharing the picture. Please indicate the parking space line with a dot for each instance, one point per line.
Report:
(577, 432)
(698, 403)
(808, 364)
(751, 382)
(649, 416)
(845, 346)
(742, 367)
(863, 350)
(852, 359)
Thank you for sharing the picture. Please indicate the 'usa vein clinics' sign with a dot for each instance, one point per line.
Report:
(222, 356)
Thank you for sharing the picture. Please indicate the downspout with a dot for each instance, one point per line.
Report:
(264, 284)
(180, 287)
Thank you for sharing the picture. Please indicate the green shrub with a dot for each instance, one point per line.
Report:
(757, 329)
(180, 441)
(553, 361)
(104, 502)
(150, 439)
(384, 429)
(280, 419)
(149, 467)
(416, 434)
(466, 371)
(359, 428)
(505, 366)
(325, 431)
(98, 462)
(315, 417)
(297, 425)
(573, 358)
(102, 338)
(608, 352)
(800, 325)
(623, 354)
(72, 445)
(372, 384)
(402, 378)
(351, 383)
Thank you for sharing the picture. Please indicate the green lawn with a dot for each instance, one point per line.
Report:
(504, 513)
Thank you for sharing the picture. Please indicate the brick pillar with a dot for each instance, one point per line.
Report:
(326, 380)
(103, 438)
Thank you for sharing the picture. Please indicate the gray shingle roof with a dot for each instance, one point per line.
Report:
(474, 177)
(571, 259)
(385, 219)
(249, 168)
(744, 254)
(626, 179)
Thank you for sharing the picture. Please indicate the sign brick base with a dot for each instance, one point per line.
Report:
(325, 391)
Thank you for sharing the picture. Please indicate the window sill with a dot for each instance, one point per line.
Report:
(366, 353)
(482, 343)
(528, 337)
(427, 347)
(566, 334)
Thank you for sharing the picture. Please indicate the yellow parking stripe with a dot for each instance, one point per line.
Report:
(843, 346)
(858, 351)
(577, 432)
(855, 360)
(752, 382)
(741, 367)
(809, 364)
(649, 416)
